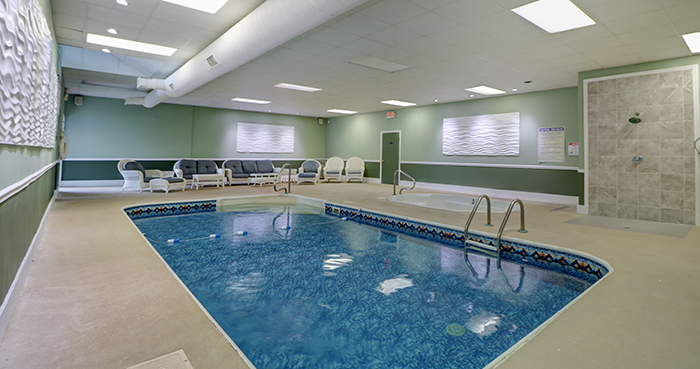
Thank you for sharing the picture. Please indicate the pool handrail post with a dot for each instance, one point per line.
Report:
(469, 221)
(398, 173)
(503, 225)
(289, 179)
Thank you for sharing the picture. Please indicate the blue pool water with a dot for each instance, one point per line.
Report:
(307, 290)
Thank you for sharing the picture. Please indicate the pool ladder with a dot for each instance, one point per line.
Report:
(289, 179)
(397, 179)
(494, 252)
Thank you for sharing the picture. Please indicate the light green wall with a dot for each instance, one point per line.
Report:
(421, 127)
(215, 133)
(106, 128)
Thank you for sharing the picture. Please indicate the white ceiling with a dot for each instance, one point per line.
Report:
(449, 45)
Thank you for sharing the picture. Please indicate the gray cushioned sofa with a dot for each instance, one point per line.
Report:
(185, 168)
(244, 171)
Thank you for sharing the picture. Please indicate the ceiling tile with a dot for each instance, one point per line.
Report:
(599, 44)
(421, 45)
(662, 54)
(116, 16)
(660, 44)
(365, 46)
(393, 36)
(619, 61)
(456, 34)
(689, 26)
(432, 4)
(427, 24)
(498, 22)
(69, 22)
(393, 11)
(65, 34)
(621, 9)
(360, 25)
(331, 36)
(179, 14)
(684, 12)
(651, 33)
(631, 24)
(465, 11)
(77, 8)
(309, 46)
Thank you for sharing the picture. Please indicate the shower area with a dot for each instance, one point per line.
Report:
(641, 161)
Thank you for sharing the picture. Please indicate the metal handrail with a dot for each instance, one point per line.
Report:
(469, 221)
(503, 226)
(289, 179)
(398, 173)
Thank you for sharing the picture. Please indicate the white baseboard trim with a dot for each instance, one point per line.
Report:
(8, 305)
(371, 180)
(582, 209)
(105, 183)
(507, 194)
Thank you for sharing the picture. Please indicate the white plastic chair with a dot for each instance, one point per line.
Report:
(333, 169)
(354, 169)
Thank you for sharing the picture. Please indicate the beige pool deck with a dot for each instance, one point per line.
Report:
(97, 296)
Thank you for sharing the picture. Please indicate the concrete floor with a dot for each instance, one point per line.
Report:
(97, 296)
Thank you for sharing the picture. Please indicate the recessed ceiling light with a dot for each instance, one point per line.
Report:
(112, 31)
(130, 45)
(291, 86)
(693, 41)
(554, 15)
(398, 103)
(108, 51)
(381, 64)
(209, 6)
(515, 89)
(485, 90)
(471, 95)
(252, 101)
(341, 111)
(122, 2)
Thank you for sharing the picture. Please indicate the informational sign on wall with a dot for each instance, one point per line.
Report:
(573, 148)
(551, 145)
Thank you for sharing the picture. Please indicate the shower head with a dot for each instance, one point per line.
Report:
(635, 119)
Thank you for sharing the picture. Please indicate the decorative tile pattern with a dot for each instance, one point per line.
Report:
(484, 135)
(561, 261)
(147, 211)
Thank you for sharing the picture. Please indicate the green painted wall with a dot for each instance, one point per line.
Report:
(21, 214)
(107, 129)
(421, 140)
(421, 127)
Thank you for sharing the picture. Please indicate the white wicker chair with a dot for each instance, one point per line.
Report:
(354, 169)
(309, 171)
(333, 169)
(135, 176)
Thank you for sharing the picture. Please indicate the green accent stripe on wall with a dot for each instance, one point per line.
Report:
(556, 182)
(20, 217)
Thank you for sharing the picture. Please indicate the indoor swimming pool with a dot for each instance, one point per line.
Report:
(313, 285)
(449, 202)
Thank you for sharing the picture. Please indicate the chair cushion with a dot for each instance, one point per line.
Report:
(240, 175)
(265, 166)
(354, 172)
(306, 175)
(187, 166)
(174, 180)
(310, 166)
(249, 166)
(132, 165)
(332, 172)
(235, 166)
(206, 167)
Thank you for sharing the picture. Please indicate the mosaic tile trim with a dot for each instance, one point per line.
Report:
(561, 261)
(147, 211)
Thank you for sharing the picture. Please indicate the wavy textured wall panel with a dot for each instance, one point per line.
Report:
(28, 83)
(265, 138)
(482, 135)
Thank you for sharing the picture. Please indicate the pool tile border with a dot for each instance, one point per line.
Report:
(153, 210)
(559, 260)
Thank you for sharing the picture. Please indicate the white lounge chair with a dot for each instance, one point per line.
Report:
(354, 169)
(309, 171)
(333, 169)
(136, 177)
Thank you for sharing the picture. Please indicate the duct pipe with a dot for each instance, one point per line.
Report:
(150, 84)
(270, 25)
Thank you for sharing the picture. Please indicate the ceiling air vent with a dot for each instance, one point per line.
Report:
(212, 61)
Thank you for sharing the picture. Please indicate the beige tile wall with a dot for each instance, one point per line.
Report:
(662, 188)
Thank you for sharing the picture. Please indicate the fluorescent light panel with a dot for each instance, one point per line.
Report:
(693, 41)
(209, 6)
(252, 101)
(398, 103)
(485, 90)
(291, 86)
(341, 111)
(554, 16)
(130, 45)
(122, 2)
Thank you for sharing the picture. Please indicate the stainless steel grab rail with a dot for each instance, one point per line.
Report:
(289, 179)
(469, 221)
(503, 226)
(398, 173)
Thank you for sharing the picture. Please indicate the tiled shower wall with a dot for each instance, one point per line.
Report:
(662, 187)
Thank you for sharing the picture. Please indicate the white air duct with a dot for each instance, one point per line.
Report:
(270, 25)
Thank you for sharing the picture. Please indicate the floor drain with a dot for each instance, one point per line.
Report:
(455, 329)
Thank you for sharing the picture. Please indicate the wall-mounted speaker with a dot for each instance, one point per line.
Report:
(78, 100)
